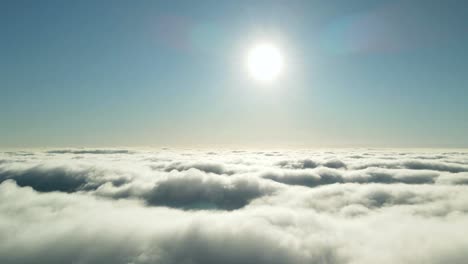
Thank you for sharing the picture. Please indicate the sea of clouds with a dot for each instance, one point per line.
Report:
(233, 206)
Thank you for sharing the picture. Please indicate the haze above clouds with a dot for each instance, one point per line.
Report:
(223, 206)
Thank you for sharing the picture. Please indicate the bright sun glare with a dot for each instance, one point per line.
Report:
(264, 62)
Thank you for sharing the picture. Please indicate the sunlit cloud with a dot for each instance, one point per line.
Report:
(220, 206)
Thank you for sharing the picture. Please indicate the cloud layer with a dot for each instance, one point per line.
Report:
(193, 206)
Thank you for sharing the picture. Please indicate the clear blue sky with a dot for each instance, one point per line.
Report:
(172, 73)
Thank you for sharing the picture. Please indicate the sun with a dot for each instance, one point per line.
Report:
(264, 62)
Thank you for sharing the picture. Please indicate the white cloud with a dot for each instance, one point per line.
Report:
(133, 206)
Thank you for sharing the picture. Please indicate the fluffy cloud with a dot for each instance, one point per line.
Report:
(198, 191)
(168, 206)
(203, 166)
(90, 151)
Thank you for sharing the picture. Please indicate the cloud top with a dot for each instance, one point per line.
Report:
(223, 206)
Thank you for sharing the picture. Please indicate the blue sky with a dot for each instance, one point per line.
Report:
(172, 73)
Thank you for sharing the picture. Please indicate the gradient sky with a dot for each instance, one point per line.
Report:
(172, 73)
